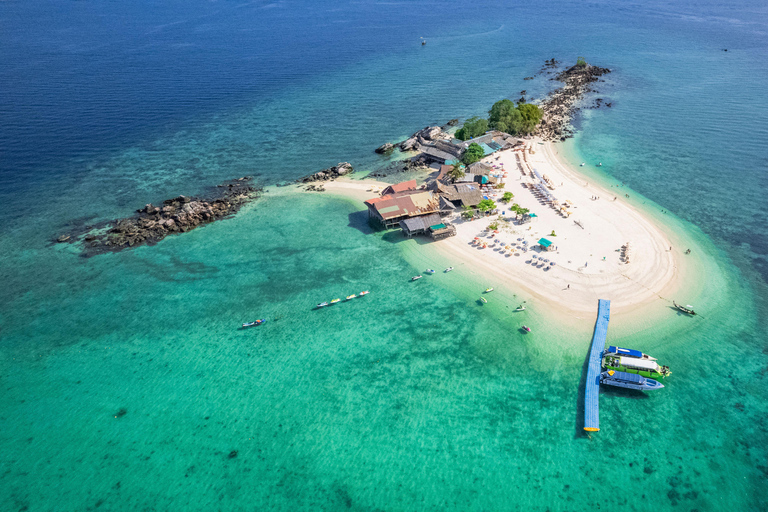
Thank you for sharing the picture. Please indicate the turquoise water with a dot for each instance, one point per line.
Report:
(127, 383)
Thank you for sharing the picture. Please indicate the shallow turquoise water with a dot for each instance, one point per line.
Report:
(414, 397)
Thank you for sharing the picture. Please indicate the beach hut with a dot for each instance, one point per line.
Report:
(545, 244)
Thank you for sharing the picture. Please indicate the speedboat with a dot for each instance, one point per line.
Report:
(526, 328)
(600, 164)
(488, 290)
(366, 292)
(688, 309)
(583, 164)
(334, 301)
(429, 271)
(257, 322)
(322, 304)
(483, 300)
(415, 278)
(618, 351)
(350, 297)
(646, 368)
(520, 308)
(629, 380)
(448, 269)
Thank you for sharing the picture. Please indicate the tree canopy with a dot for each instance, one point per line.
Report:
(515, 120)
(473, 127)
(473, 154)
(486, 204)
(457, 172)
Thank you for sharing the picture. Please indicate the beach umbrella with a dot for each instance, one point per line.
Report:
(477, 238)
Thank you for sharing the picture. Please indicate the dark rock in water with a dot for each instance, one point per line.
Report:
(528, 78)
(453, 122)
(340, 169)
(63, 238)
(122, 412)
(523, 92)
(385, 148)
(232, 454)
(178, 215)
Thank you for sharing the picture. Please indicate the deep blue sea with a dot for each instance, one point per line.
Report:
(126, 384)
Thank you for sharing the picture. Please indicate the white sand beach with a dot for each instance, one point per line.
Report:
(589, 262)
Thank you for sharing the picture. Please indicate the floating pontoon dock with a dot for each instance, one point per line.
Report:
(592, 388)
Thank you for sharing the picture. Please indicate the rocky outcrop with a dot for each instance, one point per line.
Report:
(423, 136)
(385, 148)
(153, 223)
(561, 104)
(340, 169)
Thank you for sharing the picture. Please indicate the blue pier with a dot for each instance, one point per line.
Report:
(592, 388)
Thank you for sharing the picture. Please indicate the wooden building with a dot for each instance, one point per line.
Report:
(401, 203)
(431, 225)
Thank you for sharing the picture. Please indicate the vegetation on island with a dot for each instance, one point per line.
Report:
(457, 172)
(473, 154)
(520, 119)
(486, 205)
(580, 62)
(473, 127)
(505, 116)
(519, 210)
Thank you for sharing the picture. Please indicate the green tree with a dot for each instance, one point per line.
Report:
(457, 172)
(468, 212)
(507, 197)
(473, 127)
(581, 62)
(531, 116)
(473, 154)
(486, 205)
(505, 117)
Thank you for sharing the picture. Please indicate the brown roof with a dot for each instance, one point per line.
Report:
(468, 194)
(420, 223)
(404, 204)
(400, 187)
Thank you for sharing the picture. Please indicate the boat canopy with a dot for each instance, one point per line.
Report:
(641, 364)
(628, 377)
(624, 351)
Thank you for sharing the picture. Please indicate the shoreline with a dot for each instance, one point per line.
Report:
(650, 280)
